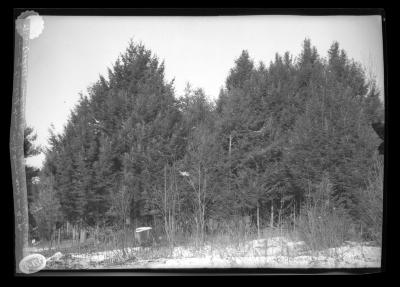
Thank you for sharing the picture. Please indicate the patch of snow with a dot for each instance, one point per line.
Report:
(258, 243)
(104, 255)
(184, 173)
(34, 249)
(275, 252)
(55, 257)
(180, 252)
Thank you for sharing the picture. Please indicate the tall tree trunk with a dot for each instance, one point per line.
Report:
(82, 236)
(78, 238)
(272, 214)
(73, 234)
(199, 206)
(96, 233)
(175, 193)
(67, 228)
(204, 206)
(294, 216)
(280, 216)
(230, 163)
(258, 220)
(17, 142)
(165, 205)
(51, 237)
(59, 237)
(124, 242)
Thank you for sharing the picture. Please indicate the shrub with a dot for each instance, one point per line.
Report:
(322, 224)
(371, 203)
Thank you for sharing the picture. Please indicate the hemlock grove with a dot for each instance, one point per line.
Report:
(278, 140)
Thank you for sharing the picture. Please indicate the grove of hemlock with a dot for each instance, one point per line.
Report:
(287, 146)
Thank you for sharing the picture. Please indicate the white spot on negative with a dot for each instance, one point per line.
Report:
(36, 26)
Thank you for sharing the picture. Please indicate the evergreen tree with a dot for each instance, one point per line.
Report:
(274, 134)
(31, 173)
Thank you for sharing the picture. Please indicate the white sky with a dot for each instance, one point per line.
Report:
(72, 52)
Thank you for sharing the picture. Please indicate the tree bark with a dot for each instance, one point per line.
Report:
(258, 220)
(17, 142)
(82, 236)
(67, 228)
(203, 207)
(165, 205)
(230, 163)
(59, 237)
(73, 234)
(294, 216)
(272, 214)
(280, 216)
(200, 205)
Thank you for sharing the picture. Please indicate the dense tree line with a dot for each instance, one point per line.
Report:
(132, 152)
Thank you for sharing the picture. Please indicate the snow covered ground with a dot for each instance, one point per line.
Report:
(276, 252)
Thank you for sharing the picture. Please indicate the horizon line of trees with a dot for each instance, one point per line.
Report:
(132, 152)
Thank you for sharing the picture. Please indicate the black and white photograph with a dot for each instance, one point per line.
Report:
(176, 142)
